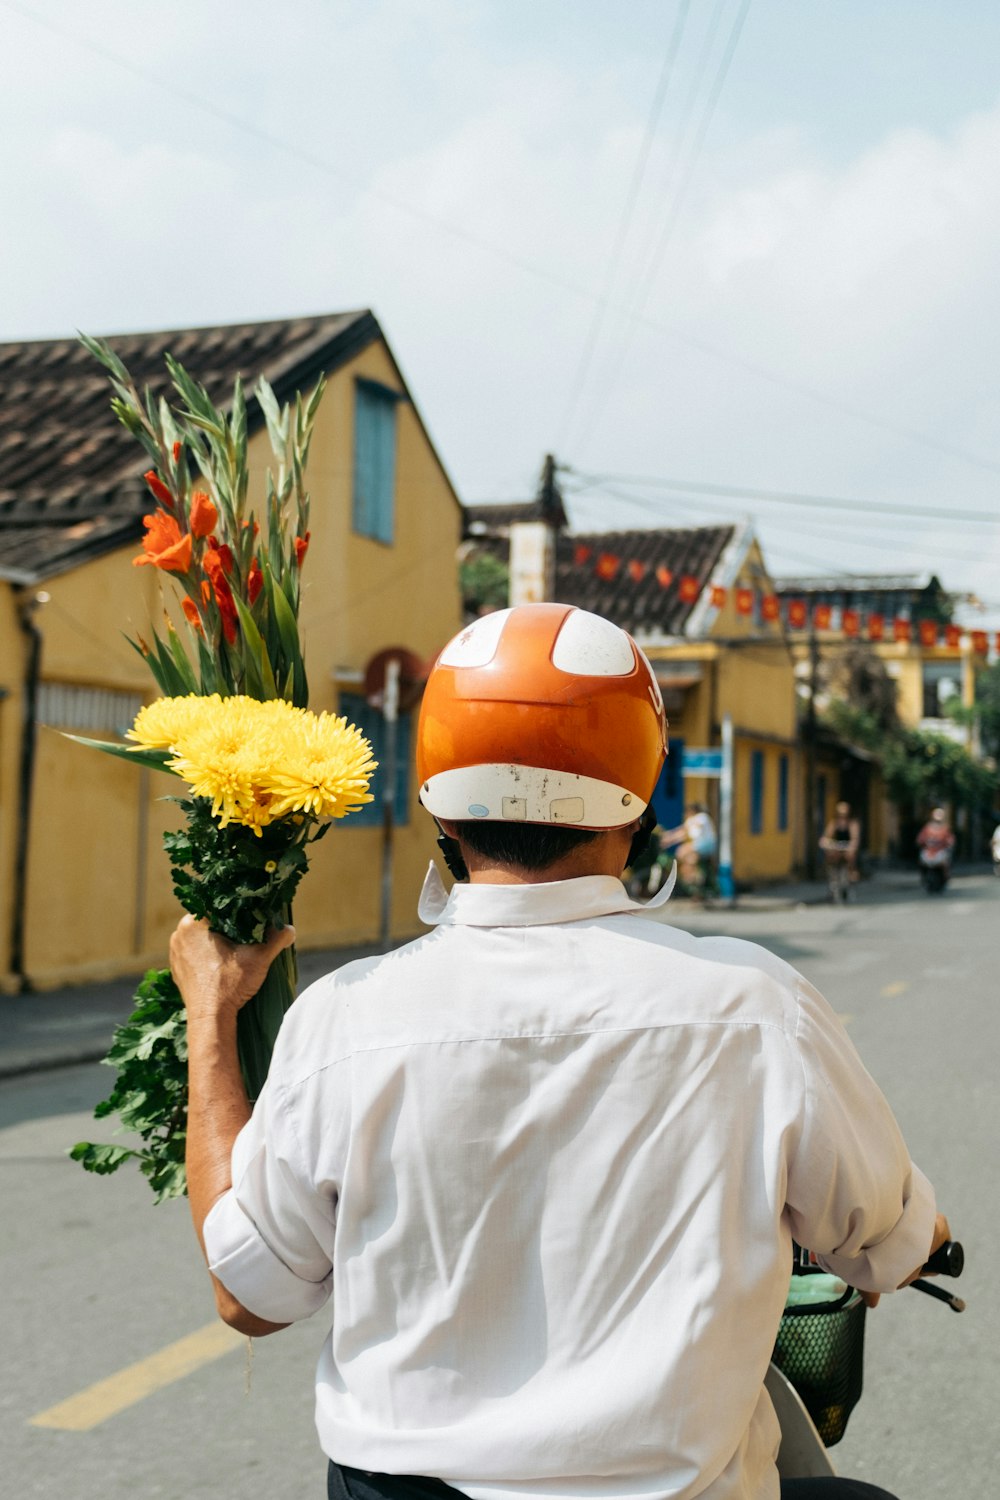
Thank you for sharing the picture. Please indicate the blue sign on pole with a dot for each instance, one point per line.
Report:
(706, 762)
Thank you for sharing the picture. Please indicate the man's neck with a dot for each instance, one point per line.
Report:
(605, 855)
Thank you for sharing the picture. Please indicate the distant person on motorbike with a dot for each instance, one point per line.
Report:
(697, 845)
(840, 844)
(936, 843)
(549, 1158)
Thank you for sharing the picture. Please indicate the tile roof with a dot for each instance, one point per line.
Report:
(70, 475)
(620, 574)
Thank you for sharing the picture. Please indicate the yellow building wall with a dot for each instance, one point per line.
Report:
(769, 853)
(99, 894)
(751, 679)
(11, 710)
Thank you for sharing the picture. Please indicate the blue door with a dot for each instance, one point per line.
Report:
(668, 797)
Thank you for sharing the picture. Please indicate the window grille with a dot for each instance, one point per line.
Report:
(66, 705)
(358, 711)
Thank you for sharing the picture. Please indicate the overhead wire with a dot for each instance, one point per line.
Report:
(792, 497)
(638, 306)
(624, 221)
(774, 525)
(203, 102)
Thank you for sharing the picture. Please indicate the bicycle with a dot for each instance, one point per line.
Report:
(838, 871)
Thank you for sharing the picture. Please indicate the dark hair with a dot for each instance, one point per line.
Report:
(528, 846)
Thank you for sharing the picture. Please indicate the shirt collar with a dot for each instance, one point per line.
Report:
(529, 905)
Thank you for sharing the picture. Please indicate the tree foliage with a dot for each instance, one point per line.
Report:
(484, 581)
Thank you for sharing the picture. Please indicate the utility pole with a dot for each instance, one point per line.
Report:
(810, 739)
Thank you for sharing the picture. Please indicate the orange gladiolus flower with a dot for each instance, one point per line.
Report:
(158, 488)
(203, 514)
(191, 614)
(164, 545)
(215, 567)
(255, 581)
(176, 450)
(301, 547)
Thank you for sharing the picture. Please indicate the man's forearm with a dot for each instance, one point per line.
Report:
(218, 1109)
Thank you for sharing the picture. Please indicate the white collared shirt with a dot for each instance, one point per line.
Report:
(549, 1160)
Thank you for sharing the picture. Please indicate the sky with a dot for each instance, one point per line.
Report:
(711, 254)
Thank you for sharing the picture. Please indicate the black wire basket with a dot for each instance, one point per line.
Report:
(821, 1349)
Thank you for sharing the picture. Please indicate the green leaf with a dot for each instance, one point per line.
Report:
(101, 1159)
(139, 755)
(275, 417)
(288, 633)
(263, 675)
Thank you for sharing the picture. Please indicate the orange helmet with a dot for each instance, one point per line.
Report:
(541, 714)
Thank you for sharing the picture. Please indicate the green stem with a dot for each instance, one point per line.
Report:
(260, 1019)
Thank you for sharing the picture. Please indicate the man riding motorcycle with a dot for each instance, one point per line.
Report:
(936, 842)
(552, 1156)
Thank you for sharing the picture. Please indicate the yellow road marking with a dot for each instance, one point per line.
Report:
(897, 987)
(108, 1397)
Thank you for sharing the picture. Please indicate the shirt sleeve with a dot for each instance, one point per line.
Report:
(269, 1239)
(854, 1196)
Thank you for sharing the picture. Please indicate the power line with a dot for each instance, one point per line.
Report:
(867, 540)
(792, 497)
(202, 102)
(638, 306)
(625, 220)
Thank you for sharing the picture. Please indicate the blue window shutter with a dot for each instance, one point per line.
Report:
(358, 711)
(757, 791)
(783, 793)
(374, 460)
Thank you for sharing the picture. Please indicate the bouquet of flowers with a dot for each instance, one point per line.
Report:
(264, 776)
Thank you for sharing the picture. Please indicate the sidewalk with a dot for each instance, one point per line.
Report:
(59, 1028)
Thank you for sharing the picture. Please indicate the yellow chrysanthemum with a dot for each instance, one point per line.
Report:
(256, 762)
(159, 725)
(327, 770)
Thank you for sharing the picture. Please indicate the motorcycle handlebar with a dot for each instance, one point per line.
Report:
(947, 1260)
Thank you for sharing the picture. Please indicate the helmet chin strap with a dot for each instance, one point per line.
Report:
(642, 836)
(451, 853)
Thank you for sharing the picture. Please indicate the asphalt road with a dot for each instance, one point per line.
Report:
(97, 1281)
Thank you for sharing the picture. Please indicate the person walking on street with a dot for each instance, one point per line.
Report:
(550, 1158)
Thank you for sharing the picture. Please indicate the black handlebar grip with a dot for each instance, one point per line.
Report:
(948, 1260)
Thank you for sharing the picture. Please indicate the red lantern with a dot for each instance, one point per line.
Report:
(850, 622)
(607, 566)
(689, 588)
(718, 596)
(664, 577)
(744, 601)
(953, 636)
(770, 607)
(636, 570)
(928, 632)
(821, 616)
(581, 554)
(876, 627)
(797, 613)
(901, 630)
(980, 642)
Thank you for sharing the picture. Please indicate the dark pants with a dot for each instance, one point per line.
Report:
(354, 1484)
